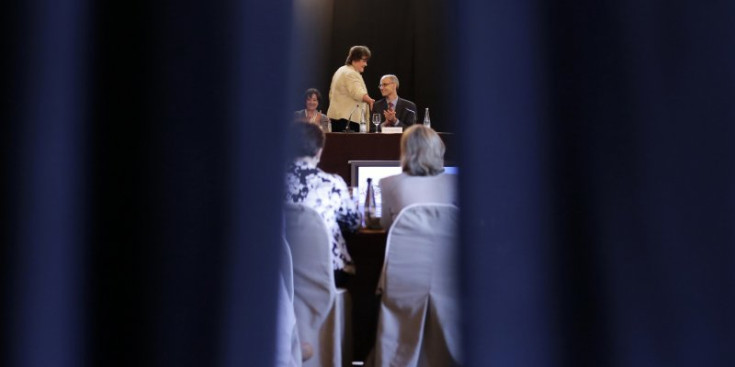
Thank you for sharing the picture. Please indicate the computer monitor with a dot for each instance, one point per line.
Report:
(361, 170)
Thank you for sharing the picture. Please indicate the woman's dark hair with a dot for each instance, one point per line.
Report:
(357, 53)
(306, 138)
(311, 91)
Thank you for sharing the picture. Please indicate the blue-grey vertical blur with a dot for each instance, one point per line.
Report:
(141, 199)
(597, 182)
(44, 147)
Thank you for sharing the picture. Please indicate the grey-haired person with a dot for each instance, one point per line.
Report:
(423, 179)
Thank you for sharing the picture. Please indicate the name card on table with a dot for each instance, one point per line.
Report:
(392, 130)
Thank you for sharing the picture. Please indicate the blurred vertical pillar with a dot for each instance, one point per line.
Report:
(257, 124)
(311, 35)
(499, 106)
(597, 182)
(47, 180)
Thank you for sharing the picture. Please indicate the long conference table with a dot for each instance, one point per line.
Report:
(340, 148)
(367, 246)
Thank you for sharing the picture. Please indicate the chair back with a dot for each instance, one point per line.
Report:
(419, 314)
(321, 309)
(310, 243)
(287, 267)
(288, 347)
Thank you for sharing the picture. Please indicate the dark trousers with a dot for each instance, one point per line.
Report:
(341, 125)
(342, 279)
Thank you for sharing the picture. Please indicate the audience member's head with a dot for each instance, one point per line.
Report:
(357, 53)
(313, 99)
(422, 151)
(307, 139)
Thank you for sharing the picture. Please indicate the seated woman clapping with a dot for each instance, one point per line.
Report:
(311, 113)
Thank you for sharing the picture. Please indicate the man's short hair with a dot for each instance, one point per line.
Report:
(357, 53)
(422, 151)
(306, 139)
(392, 78)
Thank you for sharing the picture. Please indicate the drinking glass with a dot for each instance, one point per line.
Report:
(376, 121)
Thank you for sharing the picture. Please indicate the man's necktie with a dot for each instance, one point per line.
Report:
(390, 108)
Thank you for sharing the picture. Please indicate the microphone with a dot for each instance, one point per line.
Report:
(362, 119)
(414, 115)
(349, 119)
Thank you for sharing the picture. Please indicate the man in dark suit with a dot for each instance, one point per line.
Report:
(394, 111)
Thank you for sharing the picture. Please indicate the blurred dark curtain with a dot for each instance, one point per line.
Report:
(141, 154)
(597, 182)
(142, 161)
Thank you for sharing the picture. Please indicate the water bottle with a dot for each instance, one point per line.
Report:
(427, 120)
(363, 124)
(370, 206)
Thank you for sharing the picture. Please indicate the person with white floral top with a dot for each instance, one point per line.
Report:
(325, 192)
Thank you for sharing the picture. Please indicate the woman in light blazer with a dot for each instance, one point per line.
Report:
(348, 93)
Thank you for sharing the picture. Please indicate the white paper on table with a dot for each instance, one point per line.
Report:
(392, 129)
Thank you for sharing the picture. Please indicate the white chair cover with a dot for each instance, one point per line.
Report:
(288, 347)
(419, 311)
(287, 267)
(322, 311)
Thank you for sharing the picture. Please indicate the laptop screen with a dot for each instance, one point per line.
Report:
(377, 170)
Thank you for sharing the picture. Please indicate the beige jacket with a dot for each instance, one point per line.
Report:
(402, 190)
(345, 93)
